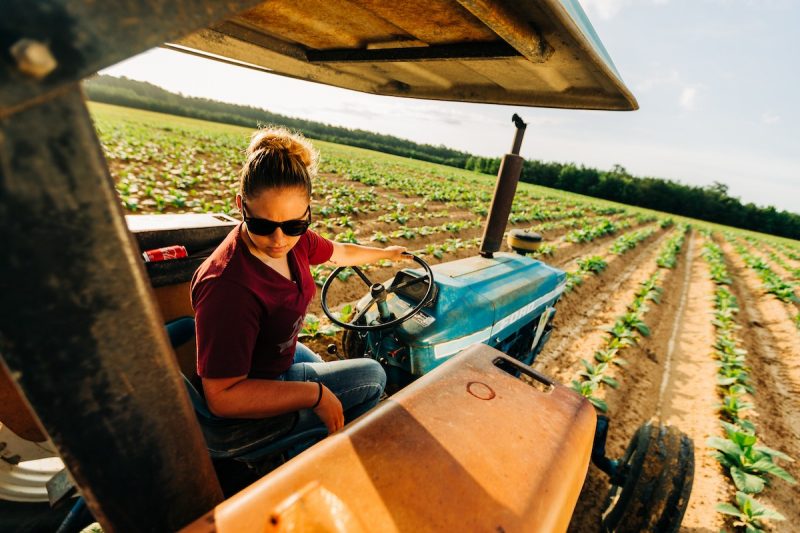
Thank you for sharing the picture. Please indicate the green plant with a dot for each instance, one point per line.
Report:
(346, 313)
(596, 373)
(749, 512)
(312, 327)
(379, 237)
(748, 462)
(733, 405)
(620, 334)
(587, 389)
(573, 280)
(345, 274)
(634, 321)
(609, 355)
(594, 264)
(347, 236)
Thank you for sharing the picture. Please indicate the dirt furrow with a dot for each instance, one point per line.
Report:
(774, 361)
(636, 401)
(687, 396)
(773, 315)
(594, 303)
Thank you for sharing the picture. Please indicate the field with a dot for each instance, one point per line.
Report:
(693, 324)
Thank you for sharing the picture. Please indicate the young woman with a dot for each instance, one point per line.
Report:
(250, 297)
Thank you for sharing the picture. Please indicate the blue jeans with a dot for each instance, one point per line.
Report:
(357, 383)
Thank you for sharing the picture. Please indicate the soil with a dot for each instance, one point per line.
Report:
(671, 374)
(773, 345)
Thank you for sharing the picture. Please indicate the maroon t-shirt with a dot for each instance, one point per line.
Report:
(247, 314)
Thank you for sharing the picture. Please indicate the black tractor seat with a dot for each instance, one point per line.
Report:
(246, 440)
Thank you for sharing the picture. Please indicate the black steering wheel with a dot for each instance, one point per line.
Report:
(378, 293)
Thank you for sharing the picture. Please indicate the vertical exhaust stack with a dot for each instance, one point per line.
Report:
(507, 178)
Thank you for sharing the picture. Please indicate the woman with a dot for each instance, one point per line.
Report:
(250, 297)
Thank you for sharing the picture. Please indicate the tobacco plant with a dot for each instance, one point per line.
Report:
(749, 513)
(748, 462)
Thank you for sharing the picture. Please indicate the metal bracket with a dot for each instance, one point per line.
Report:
(599, 459)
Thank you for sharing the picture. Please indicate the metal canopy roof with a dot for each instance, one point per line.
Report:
(534, 53)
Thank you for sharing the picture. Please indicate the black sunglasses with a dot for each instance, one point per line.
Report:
(263, 227)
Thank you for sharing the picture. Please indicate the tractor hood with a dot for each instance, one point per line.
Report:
(542, 53)
(479, 300)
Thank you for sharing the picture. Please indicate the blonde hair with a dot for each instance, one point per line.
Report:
(277, 158)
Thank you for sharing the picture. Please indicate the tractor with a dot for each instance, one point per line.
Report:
(98, 412)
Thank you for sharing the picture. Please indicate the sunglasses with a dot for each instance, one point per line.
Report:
(263, 227)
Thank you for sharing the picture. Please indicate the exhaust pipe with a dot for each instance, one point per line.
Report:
(507, 179)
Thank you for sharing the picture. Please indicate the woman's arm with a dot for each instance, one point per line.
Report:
(346, 254)
(240, 397)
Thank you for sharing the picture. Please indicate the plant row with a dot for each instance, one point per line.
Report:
(595, 264)
(626, 331)
(748, 464)
(774, 256)
(629, 241)
(772, 282)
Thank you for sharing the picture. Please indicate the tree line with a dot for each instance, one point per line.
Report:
(712, 203)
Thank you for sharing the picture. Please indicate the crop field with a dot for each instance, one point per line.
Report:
(693, 324)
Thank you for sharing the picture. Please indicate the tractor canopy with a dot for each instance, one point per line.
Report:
(543, 53)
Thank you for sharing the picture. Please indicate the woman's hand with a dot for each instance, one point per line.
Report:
(395, 253)
(330, 411)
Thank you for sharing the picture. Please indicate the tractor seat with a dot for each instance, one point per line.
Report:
(247, 440)
(235, 438)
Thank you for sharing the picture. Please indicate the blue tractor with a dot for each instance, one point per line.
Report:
(420, 318)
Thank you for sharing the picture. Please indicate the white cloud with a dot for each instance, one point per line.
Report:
(668, 78)
(608, 9)
(768, 117)
(605, 9)
(688, 97)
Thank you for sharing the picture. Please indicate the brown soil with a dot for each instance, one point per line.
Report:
(687, 394)
(593, 304)
(632, 404)
(670, 377)
(773, 346)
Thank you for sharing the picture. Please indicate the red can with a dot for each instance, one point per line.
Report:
(165, 254)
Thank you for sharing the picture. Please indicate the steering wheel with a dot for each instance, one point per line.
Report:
(378, 294)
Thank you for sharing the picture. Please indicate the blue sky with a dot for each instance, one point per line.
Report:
(717, 82)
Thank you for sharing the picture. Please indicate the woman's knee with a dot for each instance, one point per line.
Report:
(304, 354)
(372, 373)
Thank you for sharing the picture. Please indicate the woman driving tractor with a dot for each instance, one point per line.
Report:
(250, 298)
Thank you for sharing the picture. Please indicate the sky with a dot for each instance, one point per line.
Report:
(717, 83)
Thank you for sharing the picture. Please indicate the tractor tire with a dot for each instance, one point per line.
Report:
(353, 345)
(658, 470)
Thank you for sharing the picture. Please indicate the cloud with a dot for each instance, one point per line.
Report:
(672, 86)
(608, 9)
(605, 9)
(688, 97)
(668, 78)
(768, 117)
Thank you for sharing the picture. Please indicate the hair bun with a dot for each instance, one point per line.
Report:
(277, 158)
(281, 140)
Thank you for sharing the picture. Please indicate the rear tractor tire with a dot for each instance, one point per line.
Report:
(657, 472)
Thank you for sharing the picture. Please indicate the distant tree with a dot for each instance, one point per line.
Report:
(712, 203)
